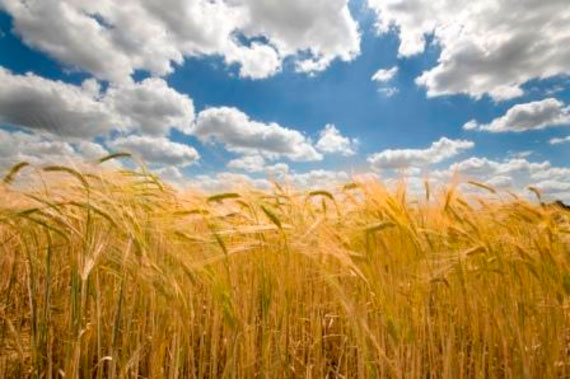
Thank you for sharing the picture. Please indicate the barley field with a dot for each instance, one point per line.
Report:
(114, 274)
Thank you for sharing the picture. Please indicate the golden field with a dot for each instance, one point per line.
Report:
(113, 274)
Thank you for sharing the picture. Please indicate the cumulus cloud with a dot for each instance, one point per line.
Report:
(151, 106)
(439, 150)
(316, 32)
(516, 174)
(305, 180)
(249, 163)
(528, 116)
(172, 175)
(552, 173)
(323, 179)
(323, 28)
(487, 47)
(227, 180)
(500, 181)
(318, 179)
(258, 61)
(85, 111)
(486, 168)
(331, 141)
(34, 102)
(124, 36)
(91, 150)
(72, 115)
(277, 171)
(554, 186)
(156, 150)
(385, 75)
(238, 133)
(18, 146)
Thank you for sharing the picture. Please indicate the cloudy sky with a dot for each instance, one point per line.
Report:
(219, 91)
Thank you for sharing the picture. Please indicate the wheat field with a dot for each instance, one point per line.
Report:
(114, 274)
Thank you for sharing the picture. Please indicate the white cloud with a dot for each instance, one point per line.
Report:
(528, 116)
(227, 180)
(257, 164)
(331, 141)
(557, 141)
(500, 181)
(486, 168)
(553, 186)
(156, 150)
(111, 39)
(554, 182)
(277, 171)
(71, 115)
(471, 125)
(249, 163)
(388, 91)
(17, 147)
(314, 179)
(312, 66)
(385, 75)
(85, 111)
(323, 28)
(552, 173)
(63, 109)
(258, 61)
(519, 154)
(172, 175)
(487, 47)
(68, 32)
(240, 134)
(318, 179)
(514, 174)
(439, 150)
(90, 150)
(151, 106)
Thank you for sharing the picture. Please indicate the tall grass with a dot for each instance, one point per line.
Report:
(115, 274)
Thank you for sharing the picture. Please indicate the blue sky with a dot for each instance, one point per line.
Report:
(475, 72)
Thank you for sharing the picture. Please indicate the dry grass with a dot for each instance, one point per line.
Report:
(117, 275)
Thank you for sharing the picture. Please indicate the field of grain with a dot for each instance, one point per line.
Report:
(114, 274)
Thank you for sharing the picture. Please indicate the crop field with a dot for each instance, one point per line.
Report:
(114, 274)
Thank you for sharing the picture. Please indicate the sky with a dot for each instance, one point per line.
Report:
(215, 92)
